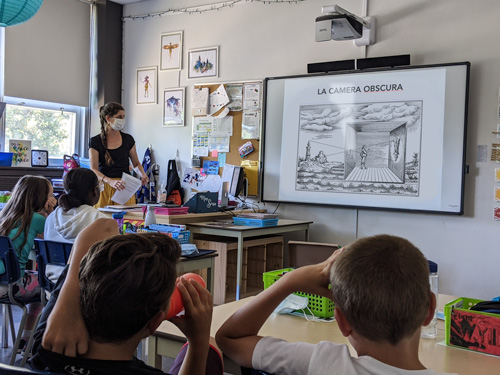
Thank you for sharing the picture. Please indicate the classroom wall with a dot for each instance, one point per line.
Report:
(258, 41)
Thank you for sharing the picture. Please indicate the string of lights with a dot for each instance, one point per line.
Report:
(207, 8)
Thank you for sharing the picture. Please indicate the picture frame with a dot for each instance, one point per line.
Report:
(146, 85)
(203, 62)
(171, 51)
(173, 107)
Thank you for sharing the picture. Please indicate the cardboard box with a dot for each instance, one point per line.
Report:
(203, 202)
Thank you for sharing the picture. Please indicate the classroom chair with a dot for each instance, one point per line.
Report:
(13, 370)
(51, 257)
(302, 253)
(10, 273)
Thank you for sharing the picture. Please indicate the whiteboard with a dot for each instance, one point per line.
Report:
(382, 139)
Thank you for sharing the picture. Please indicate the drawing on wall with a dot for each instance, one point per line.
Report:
(171, 51)
(372, 148)
(146, 85)
(204, 62)
(173, 107)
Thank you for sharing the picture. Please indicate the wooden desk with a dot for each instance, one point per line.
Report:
(184, 219)
(168, 340)
(241, 232)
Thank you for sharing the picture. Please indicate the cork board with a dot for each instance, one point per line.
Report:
(233, 157)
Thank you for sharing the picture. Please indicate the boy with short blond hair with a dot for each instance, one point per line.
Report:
(380, 286)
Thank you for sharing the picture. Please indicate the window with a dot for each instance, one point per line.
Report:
(57, 128)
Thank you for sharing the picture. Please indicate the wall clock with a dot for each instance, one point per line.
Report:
(39, 158)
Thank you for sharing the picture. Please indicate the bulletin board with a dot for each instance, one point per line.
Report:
(233, 156)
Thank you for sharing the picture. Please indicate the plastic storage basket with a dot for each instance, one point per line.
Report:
(320, 306)
(255, 222)
(470, 329)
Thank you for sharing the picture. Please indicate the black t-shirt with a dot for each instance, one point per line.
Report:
(69, 365)
(43, 359)
(120, 155)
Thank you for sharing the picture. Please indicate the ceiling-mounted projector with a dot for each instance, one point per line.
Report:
(338, 24)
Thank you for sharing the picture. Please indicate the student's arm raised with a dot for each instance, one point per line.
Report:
(238, 336)
(66, 332)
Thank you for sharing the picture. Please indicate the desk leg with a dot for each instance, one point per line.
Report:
(239, 265)
(210, 276)
(306, 233)
(154, 359)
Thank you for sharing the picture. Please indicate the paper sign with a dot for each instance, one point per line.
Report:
(199, 101)
(218, 99)
(191, 178)
(497, 194)
(210, 167)
(212, 183)
(22, 152)
(496, 213)
(132, 184)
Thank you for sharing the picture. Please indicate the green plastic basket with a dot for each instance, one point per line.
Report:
(320, 306)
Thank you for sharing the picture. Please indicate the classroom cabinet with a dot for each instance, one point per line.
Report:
(260, 254)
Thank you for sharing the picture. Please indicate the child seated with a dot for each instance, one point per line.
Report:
(75, 209)
(114, 293)
(380, 286)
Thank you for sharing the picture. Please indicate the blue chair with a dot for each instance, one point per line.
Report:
(50, 253)
(10, 273)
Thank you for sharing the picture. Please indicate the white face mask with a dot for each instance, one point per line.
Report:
(119, 124)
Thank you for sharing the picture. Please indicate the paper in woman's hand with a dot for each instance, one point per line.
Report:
(132, 184)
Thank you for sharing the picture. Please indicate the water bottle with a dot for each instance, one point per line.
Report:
(430, 331)
(118, 216)
(150, 216)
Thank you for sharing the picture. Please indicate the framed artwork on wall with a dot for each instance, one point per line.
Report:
(147, 85)
(171, 51)
(173, 107)
(203, 62)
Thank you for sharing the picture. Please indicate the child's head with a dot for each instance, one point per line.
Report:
(81, 187)
(381, 284)
(28, 196)
(125, 281)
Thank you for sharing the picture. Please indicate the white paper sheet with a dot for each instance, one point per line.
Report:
(218, 99)
(132, 184)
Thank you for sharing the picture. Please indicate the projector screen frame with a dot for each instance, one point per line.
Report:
(272, 183)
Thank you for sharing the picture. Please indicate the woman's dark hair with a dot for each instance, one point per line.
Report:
(108, 109)
(80, 185)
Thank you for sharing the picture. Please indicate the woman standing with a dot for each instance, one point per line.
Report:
(110, 152)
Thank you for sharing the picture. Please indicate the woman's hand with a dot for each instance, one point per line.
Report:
(144, 179)
(116, 184)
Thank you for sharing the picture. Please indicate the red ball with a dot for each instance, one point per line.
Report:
(176, 304)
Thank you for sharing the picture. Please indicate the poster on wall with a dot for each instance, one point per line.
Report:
(146, 85)
(171, 51)
(203, 62)
(21, 148)
(173, 107)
